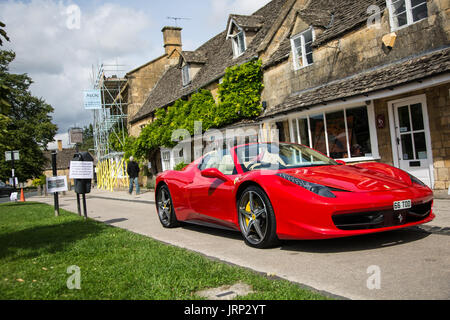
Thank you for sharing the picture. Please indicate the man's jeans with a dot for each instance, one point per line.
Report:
(135, 181)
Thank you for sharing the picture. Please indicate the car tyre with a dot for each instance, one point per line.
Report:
(165, 209)
(257, 219)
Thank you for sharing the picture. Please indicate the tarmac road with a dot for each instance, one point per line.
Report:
(410, 263)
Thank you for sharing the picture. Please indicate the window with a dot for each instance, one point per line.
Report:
(238, 43)
(279, 156)
(302, 48)
(185, 75)
(341, 134)
(406, 12)
(221, 160)
(166, 163)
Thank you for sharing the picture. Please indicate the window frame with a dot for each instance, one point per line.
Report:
(409, 14)
(301, 35)
(235, 43)
(328, 109)
(186, 74)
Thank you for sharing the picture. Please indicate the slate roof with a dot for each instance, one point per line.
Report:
(197, 57)
(253, 21)
(218, 53)
(63, 158)
(384, 77)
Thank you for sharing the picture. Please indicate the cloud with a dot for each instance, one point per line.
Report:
(222, 8)
(58, 54)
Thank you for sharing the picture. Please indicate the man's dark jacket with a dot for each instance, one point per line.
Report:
(133, 169)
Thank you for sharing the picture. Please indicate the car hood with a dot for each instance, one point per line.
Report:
(347, 177)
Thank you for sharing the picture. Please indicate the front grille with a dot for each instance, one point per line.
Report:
(381, 218)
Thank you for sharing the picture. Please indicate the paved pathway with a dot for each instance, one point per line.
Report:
(413, 264)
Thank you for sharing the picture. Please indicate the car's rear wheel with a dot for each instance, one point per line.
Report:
(256, 218)
(164, 206)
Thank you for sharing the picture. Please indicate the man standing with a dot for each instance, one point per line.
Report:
(133, 173)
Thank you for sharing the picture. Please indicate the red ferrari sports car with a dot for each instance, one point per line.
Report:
(274, 191)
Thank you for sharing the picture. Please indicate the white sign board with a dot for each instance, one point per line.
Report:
(92, 99)
(11, 181)
(56, 184)
(81, 170)
(8, 156)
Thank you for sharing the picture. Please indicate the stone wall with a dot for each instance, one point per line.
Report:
(355, 52)
(438, 100)
(438, 103)
(141, 81)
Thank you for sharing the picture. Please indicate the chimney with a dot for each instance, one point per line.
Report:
(172, 39)
(60, 145)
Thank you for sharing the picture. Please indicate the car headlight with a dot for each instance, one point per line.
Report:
(415, 180)
(313, 187)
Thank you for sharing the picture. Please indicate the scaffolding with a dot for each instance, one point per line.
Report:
(110, 122)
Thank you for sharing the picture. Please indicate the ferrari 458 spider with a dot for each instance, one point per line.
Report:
(274, 191)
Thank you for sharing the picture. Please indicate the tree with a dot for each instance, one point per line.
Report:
(28, 124)
(4, 91)
(88, 139)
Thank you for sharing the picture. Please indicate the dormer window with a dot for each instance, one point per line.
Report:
(302, 48)
(403, 13)
(238, 44)
(185, 74)
(236, 32)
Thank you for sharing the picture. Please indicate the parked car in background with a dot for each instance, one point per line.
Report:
(5, 190)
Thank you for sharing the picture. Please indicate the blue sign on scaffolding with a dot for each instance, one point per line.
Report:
(92, 99)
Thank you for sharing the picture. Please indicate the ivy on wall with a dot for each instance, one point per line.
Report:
(239, 98)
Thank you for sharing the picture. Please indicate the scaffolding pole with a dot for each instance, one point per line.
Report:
(110, 122)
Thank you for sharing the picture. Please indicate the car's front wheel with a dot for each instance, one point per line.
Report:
(164, 206)
(256, 218)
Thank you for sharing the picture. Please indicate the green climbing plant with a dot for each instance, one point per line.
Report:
(239, 97)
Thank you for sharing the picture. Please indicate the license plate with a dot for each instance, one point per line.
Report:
(403, 204)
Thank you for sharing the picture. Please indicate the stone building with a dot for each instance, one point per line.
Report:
(142, 79)
(364, 80)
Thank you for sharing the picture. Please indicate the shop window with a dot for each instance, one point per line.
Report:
(339, 134)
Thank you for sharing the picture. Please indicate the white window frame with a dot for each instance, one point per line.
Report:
(186, 74)
(301, 35)
(409, 14)
(323, 110)
(237, 50)
(164, 152)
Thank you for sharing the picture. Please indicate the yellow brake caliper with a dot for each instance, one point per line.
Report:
(247, 209)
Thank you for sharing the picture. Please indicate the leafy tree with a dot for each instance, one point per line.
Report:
(4, 91)
(28, 126)
(3, 33)
(88, 139)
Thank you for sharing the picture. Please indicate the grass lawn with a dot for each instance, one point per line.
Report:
(36, 249)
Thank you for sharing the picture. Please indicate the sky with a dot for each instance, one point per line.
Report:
(59, 43)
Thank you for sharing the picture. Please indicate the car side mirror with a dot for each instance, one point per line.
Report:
(340, 162)
(214, 173)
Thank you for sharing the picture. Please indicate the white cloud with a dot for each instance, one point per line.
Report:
(59, 59)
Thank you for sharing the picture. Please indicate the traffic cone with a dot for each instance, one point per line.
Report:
(22, 196)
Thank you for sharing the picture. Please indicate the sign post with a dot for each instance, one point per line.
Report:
(12, 156)
(55, 195)
(82, 171)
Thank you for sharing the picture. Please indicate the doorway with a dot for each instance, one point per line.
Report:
(411, 142)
